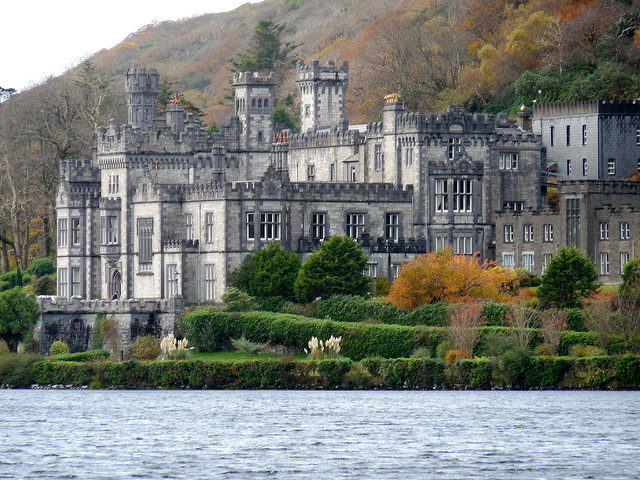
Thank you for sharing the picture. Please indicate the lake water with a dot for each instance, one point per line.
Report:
(66, 434)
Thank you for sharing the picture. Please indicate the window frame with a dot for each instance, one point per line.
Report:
(318, 226)
(441, 195)
(250, 226)
(508, 233)
(462, 197)
(145, 240)
(270, 226)
(355, 228)
(63, 232)
(209, 231)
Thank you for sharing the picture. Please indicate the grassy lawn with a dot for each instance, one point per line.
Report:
(235, 356)
(609, 288)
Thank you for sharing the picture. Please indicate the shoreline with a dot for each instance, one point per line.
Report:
(534, 373)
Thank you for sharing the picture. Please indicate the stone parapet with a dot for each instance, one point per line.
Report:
(52, 304)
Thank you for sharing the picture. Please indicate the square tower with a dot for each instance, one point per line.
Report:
(322, 95)
(254, 99)
(142, 87)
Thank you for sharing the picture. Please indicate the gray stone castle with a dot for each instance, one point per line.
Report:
(164, 211)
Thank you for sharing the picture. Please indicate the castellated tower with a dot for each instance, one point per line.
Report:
(322, 95)
(142, 87)
(254, 100)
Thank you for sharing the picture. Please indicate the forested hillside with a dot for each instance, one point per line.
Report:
(491, 55)
(487, 54)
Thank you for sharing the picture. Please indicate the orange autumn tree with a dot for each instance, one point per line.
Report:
(444, 276)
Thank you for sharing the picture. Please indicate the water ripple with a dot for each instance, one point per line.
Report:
(66, 434)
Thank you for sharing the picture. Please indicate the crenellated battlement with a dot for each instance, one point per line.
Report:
(593, 107)
(326, 138)
(74, 171)
(159, 137)
(53, 304)
(253, 78)
(142, 80)
(329, 72)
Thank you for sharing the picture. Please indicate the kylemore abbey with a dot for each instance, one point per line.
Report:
(161, 214)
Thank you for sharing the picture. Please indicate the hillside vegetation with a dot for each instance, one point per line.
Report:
(491, 55)
(486, 54)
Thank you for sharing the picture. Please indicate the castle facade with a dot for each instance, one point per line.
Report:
(164, 211)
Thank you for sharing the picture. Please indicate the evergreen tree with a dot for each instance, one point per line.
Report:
(335, 269)
(266, 50)
(19, 313)
(569, 278)
(269, 272)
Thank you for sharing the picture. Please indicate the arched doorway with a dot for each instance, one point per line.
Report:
(115, 285)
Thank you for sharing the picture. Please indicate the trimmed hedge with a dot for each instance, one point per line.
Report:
(400, 373)
(211, 330)
(82, 356)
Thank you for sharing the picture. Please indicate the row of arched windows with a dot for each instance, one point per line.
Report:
(256, 103)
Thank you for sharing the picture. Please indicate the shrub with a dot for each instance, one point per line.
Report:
(586, 351)
(464, 320)
(627, 370)
(452, 356)
(443, 348)
(270, 304)
(44, 285)
(358, 377)
(270, 272)
(422, 352)
(443, 276)
(495, 314)
(546, 371)
(575, 320)
(576, 338)
(243, 345)
(4, 348)
(19, 313)
(553, 324)
(335, 269)
(522, 321)
(474, 373)
(304, 309)
(59, 348)
(145, 348)
(238, 301)
(412, 373)
(350, 308)
(431, 314)
(9, 280)
(525, 278)
(42, 266)
(569, 277)
(334, 370)
(15, 369)
(381, 287)
(493, 342)
(513, 365)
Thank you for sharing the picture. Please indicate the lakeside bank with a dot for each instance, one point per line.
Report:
(535, 372)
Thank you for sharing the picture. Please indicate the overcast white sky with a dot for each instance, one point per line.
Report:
(40, 38)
